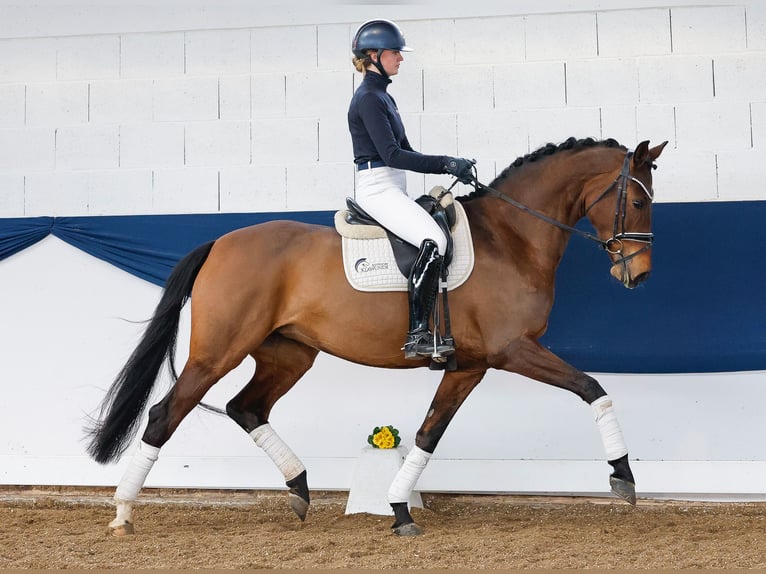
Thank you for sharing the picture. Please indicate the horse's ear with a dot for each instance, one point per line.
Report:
(644, 155)
(655, 152)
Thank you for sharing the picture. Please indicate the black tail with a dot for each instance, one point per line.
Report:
(126, 399)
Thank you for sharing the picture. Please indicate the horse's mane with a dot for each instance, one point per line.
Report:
(547, 150)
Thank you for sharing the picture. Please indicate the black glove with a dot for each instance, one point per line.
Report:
(461, 168)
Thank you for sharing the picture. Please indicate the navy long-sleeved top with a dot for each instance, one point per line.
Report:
(377, 131)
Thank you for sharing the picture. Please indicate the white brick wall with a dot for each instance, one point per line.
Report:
(218, 143)
(758, 119)
(30, 60)
(122, 192)
(12, 105)
(186, 99)
(619, 122)
(708, 29)
(740, 77)
(530, 85)
(486, 41)
(151, 145)
(283, 49)
(88, 57)
(218, 52)
(268, 95)
(669, 80)
(56, 193)
(117, 101)
(634, 33)
(302, 89)
(27, 149)
(727, 124)
(285, 141)
(561, 36)
(446, 89)
(741, 175)
(255, 118)
(604, 81)
(186, 190)
(87, 147)
(234, 98)
(12, 195)
(253, 188)
(57, 104)
(152, 55)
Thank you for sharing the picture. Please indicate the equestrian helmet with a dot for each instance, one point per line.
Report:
(378, 35)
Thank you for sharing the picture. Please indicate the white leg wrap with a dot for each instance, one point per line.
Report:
(124, 513)
(611, 435)
(132, 481)
(408, 475)
(285, 459)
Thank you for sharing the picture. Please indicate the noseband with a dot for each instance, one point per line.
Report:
(615, 244)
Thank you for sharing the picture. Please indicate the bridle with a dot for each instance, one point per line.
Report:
(615, 244)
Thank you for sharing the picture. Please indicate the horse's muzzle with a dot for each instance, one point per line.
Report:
(630, 274)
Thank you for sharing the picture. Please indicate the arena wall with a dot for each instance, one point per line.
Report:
(190, 108)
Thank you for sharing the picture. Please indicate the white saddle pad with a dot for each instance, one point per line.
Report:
(370, 265)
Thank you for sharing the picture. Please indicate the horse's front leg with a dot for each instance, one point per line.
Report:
(532, 360)
(455, 386)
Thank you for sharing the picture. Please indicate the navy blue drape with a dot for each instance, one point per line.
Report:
(702, 310)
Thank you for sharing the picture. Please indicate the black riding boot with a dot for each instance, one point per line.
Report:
(422, 286)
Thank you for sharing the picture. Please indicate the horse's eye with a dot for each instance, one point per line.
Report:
(639, 203)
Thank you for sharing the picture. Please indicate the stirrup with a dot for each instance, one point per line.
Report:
(421, 344)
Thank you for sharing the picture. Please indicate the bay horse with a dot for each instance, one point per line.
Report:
(277, 291)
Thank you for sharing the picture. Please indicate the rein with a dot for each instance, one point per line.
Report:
(614, 245)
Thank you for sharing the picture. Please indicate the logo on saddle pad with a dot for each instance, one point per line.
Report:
(364, 266)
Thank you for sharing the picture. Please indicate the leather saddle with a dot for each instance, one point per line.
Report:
(439, 204)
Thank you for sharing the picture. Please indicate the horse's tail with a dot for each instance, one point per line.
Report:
(126, 399)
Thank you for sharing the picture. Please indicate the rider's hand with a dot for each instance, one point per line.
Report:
(461, 168)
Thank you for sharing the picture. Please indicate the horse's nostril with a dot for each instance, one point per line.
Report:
(640, 278)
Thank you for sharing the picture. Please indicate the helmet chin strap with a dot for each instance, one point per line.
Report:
(378, 65)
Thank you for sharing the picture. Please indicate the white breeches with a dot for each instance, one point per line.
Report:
(382, 192)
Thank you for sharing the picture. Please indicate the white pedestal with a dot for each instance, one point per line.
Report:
(374, 472)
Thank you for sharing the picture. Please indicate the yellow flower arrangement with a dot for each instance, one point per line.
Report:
(384, 437)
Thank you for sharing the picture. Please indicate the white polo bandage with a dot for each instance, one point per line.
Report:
(408, 475)
(611, 435)
(135, 475)
(124, 513)
(285, 459)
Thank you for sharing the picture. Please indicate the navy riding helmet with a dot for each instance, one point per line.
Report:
(378, 35)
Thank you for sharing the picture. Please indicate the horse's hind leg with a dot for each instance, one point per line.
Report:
(532, 360)
(164, 417)
(279, 363)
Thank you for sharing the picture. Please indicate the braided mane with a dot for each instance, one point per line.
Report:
(543, 152)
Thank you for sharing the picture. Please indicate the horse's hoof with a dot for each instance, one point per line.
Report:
(624, 489)
(299, 506)
(410, 529)
(122, 530)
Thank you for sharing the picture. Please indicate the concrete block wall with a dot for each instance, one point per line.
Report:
(253, 119)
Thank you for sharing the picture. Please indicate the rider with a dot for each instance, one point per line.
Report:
(382, 155)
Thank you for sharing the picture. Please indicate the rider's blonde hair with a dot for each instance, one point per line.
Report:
(361, 63)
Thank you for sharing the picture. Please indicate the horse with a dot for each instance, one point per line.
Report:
(277, 291)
